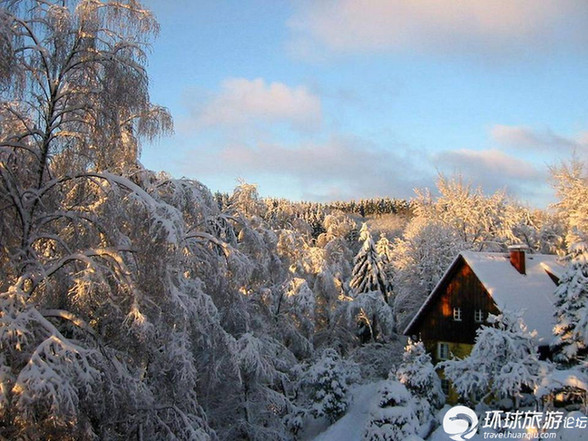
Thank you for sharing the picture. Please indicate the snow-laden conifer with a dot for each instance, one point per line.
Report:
(368, 272)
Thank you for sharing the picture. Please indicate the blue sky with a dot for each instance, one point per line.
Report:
(340, 99)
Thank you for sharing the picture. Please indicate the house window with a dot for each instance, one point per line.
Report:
(442, 351)
(457, 314)
(445, 385)
(479, 316)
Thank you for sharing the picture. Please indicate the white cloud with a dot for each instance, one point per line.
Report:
(242, 102)
(534, 140)
(440, 26)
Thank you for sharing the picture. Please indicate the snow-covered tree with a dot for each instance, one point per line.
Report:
(571, 185)
(132, 319)
(571, 308)
(420, 259)
(245, 200)
(337, 225)
(101, 313)
(326, 383)
(418, 374)
(481, 222)
(384, 249)
(77, 90)
(503, 361)
(300, 305)
(260, 408)
(368, 272)
(393, 416)
(373, 317)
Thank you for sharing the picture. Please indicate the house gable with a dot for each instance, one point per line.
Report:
(439, 320)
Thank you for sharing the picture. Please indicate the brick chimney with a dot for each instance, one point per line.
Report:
(517, 257)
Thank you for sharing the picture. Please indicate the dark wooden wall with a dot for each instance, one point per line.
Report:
(461, 288)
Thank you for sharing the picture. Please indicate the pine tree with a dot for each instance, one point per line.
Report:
(384, 249)
(368, 272)
(571, 308)
(368, 277)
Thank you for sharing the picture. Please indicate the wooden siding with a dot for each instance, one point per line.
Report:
(460, 289)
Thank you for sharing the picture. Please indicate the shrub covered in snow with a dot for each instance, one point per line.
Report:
(327, 383)
(393, 417)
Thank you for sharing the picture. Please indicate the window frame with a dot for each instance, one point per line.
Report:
(457, 314)
(479, 316)
(440, 355)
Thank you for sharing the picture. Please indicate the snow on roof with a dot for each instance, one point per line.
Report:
(531, 293)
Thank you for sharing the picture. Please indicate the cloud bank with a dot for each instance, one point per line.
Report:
(493, 170)
(343, 167)
(525, 138)
(496, 27)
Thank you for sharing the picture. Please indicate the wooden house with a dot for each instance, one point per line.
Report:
(477, 284)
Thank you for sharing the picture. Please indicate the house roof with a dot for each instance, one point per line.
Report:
(530, 293)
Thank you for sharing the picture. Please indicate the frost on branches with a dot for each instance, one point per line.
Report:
(482, 223)
(393, 415)
(571, 308)
(502, 362)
